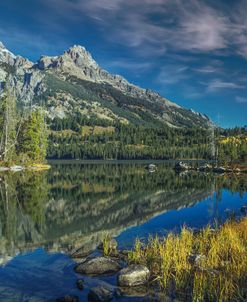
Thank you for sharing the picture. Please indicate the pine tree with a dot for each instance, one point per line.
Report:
(33, 138)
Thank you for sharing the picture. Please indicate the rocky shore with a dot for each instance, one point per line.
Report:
(165, 268)
(129, 279)
(184, 166)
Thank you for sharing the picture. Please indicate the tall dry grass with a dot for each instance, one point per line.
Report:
(208, 266)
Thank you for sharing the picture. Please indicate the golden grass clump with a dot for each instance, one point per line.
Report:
(106, 245)
(208, 266)
(109, 245)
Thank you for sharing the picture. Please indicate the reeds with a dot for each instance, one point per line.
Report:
(106, 245)
(208, 266)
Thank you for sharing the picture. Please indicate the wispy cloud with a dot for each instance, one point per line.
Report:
(207, 69)
(129, 65)
(241, 100)
(173, 74)
(218, 84)
(158, 25)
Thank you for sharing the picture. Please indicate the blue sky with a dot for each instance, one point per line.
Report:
(193, 52)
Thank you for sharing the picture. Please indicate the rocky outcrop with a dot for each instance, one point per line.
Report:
(98, 266)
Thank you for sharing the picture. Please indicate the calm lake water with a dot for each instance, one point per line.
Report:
(44, 216)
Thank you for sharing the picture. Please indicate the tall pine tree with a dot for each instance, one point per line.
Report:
(33, 138)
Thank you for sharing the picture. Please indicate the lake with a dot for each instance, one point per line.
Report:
(44, 216)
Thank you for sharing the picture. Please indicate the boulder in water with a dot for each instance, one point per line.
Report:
(133, 275)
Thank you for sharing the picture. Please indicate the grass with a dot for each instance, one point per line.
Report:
(108, 248)
(96, 130)
(208, 266)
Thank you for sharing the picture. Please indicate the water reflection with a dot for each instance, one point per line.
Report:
(75, 204)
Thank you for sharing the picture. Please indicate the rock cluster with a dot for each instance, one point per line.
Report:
(131, 280)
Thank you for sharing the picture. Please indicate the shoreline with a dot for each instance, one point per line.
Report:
(19, 168)
(186, 265)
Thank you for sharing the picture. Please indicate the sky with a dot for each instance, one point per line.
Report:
(193, 52)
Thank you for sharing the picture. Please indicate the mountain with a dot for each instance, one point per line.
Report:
(74, 83)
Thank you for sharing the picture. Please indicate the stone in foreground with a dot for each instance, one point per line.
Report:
(98, 266)
(100, 294)
(133, 275)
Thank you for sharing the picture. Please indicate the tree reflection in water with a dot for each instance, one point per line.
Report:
(75, 204)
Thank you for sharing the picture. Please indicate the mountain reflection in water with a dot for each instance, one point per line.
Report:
(75, 204)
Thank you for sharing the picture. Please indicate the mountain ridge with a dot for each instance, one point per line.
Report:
(74, 82)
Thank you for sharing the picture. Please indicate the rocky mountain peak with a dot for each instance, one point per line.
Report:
(72, 59)
(5, 55)
(1, 45)
(74, 81)
(81, 57)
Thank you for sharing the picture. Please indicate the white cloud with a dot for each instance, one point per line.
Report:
(207, 69)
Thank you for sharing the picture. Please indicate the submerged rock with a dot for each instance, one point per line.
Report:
(80, 284)
(98, 266)
(133, 275)
(136, 291)
(68, 298)
(101, 294)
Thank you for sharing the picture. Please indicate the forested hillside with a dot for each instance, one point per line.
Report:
(99, 139)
